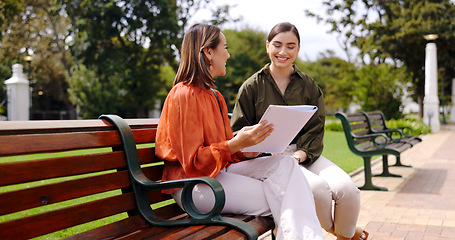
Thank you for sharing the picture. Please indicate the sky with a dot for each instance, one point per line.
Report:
(264, 14)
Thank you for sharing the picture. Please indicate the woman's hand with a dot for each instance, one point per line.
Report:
(249, 136)
(300, 156)
(251, 154)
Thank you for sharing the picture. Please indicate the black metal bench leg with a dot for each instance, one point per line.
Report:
(368, 182)
(399, 164)
(385, 168)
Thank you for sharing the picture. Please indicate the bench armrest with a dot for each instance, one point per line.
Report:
(390, 131)
(379, 140)
(141, 183)
(402, 129)
(187, 197)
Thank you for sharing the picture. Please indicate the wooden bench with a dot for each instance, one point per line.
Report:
(363, 142)
(96, 179)
(402, 134)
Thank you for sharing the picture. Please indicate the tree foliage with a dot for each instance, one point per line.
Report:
(336, 77)
(90, 94)
(124, 43)
(394, 30)
(39, 30)
(381, 87)
(248, 55)
(128, 43)
(9, 9)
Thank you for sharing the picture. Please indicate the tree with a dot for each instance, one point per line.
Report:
(336, 77)
(39, 30)
(124, 43)
(248, 55)
(9, 9)
(394, 30)
(381, 88)
(127, 43)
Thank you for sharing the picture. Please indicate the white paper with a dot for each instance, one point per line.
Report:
(287, 121)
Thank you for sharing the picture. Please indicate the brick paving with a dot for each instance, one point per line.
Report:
(421, 204)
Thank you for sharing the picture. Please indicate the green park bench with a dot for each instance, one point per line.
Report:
(103, 174)
(365, 142)
(402, 134)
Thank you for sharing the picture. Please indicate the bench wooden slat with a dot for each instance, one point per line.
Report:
(129, 228)
(53, 193)
(25, 144)
(63, 126)
(359, 126)
(206, 233)
(48, 222)
(31, 144)
(57, 192)
(117, 230)
(13, 173)
(261, 224)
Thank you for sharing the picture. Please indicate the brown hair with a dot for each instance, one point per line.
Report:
(283, 27)
(194, 67)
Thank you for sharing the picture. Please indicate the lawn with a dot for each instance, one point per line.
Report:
(336, 150)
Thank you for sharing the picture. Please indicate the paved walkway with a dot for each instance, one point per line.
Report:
(421, 204)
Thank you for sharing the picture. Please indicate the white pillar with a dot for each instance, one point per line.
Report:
(431, 100)
(18, 95)
(452, 110)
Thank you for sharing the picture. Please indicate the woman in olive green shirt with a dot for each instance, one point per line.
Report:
(282, 83)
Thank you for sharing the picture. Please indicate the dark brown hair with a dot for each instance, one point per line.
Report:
(283, 27)
(194, 67)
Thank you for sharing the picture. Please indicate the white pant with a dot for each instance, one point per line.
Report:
(269, 185)
(329, 183)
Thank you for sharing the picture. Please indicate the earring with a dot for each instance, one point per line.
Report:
(210, 62)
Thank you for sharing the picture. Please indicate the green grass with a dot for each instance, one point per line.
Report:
(336, 150)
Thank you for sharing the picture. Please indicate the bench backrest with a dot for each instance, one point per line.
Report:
(356, 127)
(377, 121)
(59, 174)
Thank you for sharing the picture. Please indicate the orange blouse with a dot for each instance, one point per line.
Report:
(191, 137)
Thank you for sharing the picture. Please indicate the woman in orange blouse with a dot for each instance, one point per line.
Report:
(195, 139)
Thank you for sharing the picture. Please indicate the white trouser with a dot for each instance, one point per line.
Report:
(329, 183)
(268, 185)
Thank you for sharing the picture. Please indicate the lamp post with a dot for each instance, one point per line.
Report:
(452, 110)
(29, 59)
(431, 100)
(442, 98)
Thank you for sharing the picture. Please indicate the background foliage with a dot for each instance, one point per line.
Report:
(392, 31)
(94, 57)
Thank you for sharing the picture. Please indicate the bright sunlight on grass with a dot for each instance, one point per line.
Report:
(336, 150)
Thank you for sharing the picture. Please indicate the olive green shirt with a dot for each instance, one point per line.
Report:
(260, 90)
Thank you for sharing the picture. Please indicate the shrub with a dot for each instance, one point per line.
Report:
(334, 126)
(416, 124)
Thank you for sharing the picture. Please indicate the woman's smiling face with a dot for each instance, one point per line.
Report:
(283, 49)
(219, 56)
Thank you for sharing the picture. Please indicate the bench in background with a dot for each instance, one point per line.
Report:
(365, 143)
(403, 134)
(57, 175)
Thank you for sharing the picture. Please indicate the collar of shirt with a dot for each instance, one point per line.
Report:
(291, 89)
